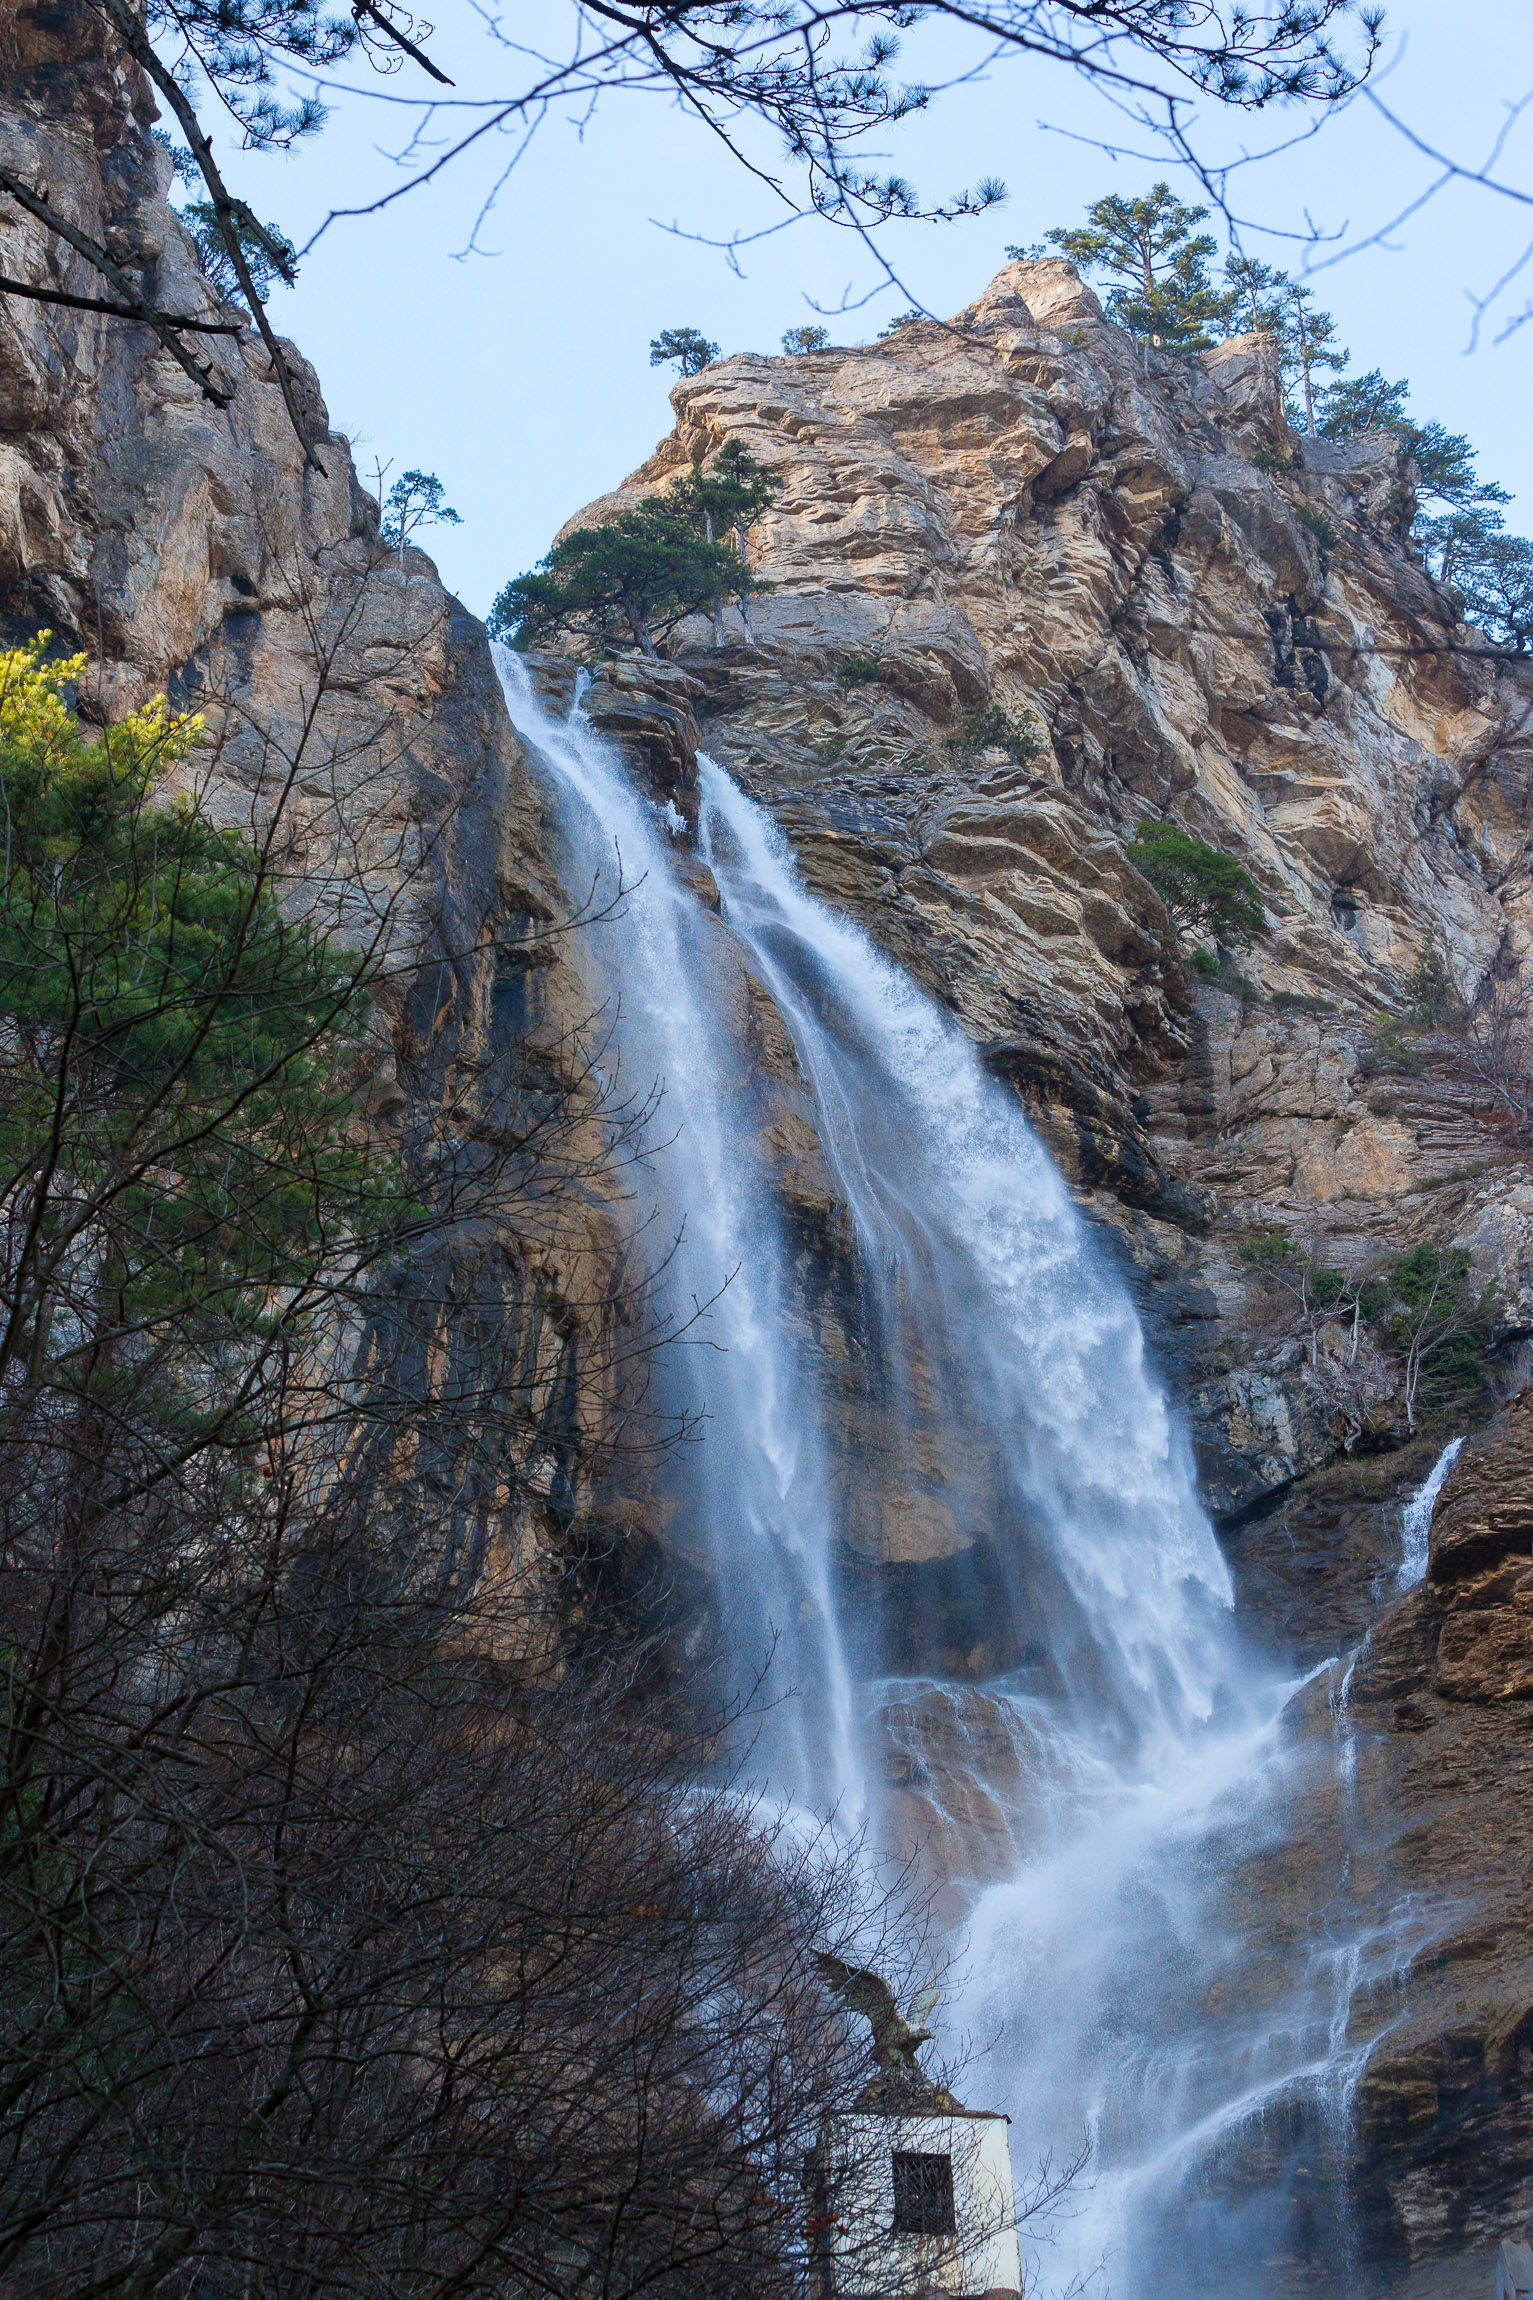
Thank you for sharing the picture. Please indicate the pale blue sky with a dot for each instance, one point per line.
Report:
(523, 378)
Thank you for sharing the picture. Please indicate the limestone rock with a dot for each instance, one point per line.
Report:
(1193, 615)
(647, 710)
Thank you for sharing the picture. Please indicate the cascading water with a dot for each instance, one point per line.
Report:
(1416, 1518)
(755, 1490)
(1128, 1755)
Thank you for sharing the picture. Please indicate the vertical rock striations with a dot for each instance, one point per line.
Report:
(188, 546)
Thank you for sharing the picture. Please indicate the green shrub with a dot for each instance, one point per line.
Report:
(1389, 1051)
(1433, 1319)
(1206, 963)
(1302, 1002)
(859, 670)
(1318, 524)
(1267, 1247)
(988, 728)
(1434, 998)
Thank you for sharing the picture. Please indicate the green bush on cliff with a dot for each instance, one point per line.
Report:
(990, 728)
(651, 567)
(1436, 1322)
(1433, 992)
(1206, 891)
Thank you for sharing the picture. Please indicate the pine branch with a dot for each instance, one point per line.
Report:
(375, 15)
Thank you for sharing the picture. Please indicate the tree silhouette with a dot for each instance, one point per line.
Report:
(683, 347)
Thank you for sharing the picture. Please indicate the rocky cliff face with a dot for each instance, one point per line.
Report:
(1198, 617)
(190, 547)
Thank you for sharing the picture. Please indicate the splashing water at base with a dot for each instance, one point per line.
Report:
(1416, 1518)
(1096, 1796)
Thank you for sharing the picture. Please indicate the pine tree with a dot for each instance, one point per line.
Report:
(1455, 544)
(1363, 403)
(1307, 350)
(648, 569)
(1497, 588)
(1151, 248)
(269, 254)
(801, 339)
(1205, 890)
(731, 496)
(1445, 468)
(414, 501)
(1255, 296)
(683, 347)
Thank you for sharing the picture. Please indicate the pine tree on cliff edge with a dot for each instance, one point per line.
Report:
(647, 569)
(731, 496)
(1152, 249)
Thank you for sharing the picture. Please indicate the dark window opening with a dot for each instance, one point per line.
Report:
(923, 2195)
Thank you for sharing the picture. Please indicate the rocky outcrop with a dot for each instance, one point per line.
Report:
(1190, 614)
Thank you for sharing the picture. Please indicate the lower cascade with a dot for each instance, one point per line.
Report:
(1106, 1791)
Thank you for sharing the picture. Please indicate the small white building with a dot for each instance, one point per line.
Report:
(914, 2201)
(910, 2194)
(1514, 2271)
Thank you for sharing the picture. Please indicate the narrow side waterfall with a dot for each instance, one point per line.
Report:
(1416, 1518)
(1093, 1796)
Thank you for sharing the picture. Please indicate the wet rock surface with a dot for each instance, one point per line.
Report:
(1427, 1824)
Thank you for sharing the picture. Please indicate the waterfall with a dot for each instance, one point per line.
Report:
(1416, 1518)
(980, 1267)
(1124, 1758)
(754, 1493)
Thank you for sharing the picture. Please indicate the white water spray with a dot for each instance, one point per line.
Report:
(1133, 1758)
(754, 1491)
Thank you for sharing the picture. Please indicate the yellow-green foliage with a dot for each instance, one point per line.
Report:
(175, 1111)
